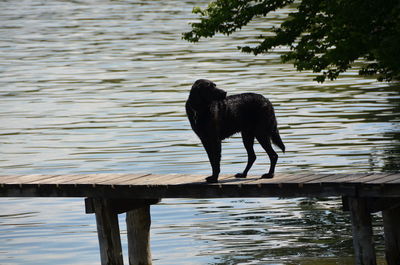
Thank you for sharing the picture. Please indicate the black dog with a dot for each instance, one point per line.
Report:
(214, 117)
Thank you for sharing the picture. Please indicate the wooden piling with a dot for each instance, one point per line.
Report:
(391, 223)
(138, 223)
(362, 231)
(108, 232)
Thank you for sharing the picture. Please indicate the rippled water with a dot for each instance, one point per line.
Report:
(99, 86)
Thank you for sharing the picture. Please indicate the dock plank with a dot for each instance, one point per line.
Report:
(194, 186)
(23, 179)
(56, 179)
(123, 178)
(7, 179)
(384, 179)
(171, 179)
(326, 178)
(395, 181)
(178, 179)
(98, 179)
(279, 178)
(309, 177)
(344, 178)
(368, 177)
(92, 179)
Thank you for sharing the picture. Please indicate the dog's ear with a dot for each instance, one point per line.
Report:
(219, 94)
(215, 93)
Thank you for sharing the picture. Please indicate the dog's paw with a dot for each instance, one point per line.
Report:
(240, 176)
(212, 179)
(267, 176)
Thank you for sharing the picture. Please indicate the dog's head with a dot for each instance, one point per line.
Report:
(204, 92)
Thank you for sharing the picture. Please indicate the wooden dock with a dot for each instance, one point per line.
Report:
(109, 194)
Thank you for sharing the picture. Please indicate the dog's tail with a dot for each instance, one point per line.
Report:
(276, 139)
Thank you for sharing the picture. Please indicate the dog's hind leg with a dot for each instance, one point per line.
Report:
(273, 156)
(248, 141)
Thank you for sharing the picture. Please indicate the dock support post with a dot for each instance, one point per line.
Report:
(108, 232)
(362, 231)
(391, 223)
(138, 223)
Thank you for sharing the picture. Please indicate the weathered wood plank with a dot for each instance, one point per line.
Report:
(102, 178)
(124, 178)
(91, 179)
(5, 178)
(171, 179)
(284, 178)
(395, 181)
(345, 178)
(331, 178)
(230, 180)
(8, 179)
(384, 179)
(311, 177)
(257, 180)
(368, 177)
(194, 186)
(26, 178)
(249, 180)
(153, 179)
(58, 179)
(160, 179)
(157, 179)
(176, 179)
(99, 178)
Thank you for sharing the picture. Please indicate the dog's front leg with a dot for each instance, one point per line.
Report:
(213, 149)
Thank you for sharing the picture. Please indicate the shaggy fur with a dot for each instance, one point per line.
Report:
(214, 117)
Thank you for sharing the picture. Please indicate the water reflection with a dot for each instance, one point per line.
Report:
(99, 86)
(267, 231)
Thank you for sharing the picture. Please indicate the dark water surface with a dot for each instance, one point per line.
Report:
(99, 86)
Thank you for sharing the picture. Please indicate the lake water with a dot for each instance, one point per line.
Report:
(99, 86)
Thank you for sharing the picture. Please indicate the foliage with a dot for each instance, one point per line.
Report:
(325, 36)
